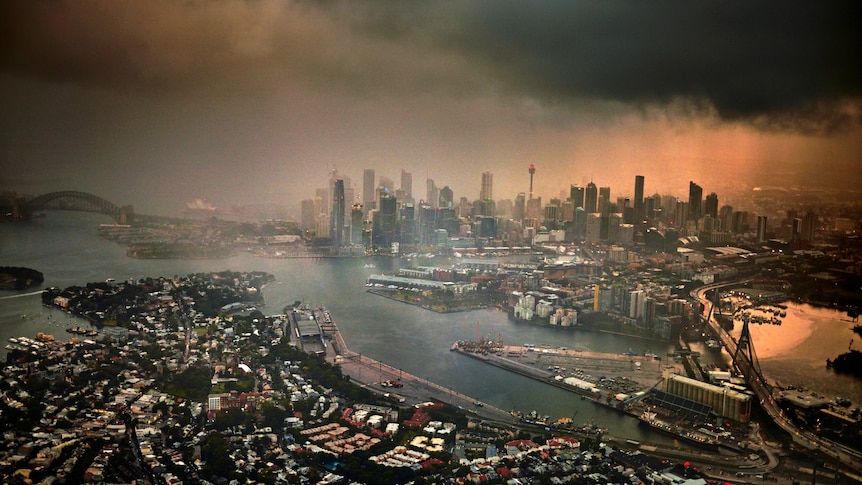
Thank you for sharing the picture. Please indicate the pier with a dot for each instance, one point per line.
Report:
(400, 386)
(606, 378)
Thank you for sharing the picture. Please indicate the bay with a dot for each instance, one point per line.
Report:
(66, 248)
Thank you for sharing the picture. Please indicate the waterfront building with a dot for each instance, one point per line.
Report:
(725, 402)
(635, 302)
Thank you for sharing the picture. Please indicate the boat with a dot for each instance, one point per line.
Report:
(44, 337)
(690, 436)
(82, 331)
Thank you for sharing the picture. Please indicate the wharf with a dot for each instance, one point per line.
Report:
(402, 387)
(610, 379)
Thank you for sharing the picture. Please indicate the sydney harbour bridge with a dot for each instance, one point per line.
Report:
(22, 208)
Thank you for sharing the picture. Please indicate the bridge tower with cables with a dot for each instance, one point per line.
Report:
(745, 345)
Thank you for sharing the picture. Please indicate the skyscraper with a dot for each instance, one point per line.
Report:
(809, 225)
(369, 185)
(407, 184)
(761, 229)
(695, 201)
(323, 203)
(386, 221)
(447, 198)
(576, 193)
(591, 198)
(639, 198)
(710, 205)
(337, 218)
(593, 228)
(308, 215)
(487, 190)
(604, 203)
(387, 183)
(432, 193)
(356, 224)
(520, 206)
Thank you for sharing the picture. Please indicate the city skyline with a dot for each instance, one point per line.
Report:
(235, 103)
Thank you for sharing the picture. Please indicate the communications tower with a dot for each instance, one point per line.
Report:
(532, 171)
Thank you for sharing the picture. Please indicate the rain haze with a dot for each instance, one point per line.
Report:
(161, 104)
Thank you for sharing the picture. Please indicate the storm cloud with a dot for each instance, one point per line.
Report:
(788, 66)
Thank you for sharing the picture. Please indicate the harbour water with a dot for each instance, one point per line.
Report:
(66, 248)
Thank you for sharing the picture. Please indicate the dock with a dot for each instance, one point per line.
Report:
(609, 379)
(401, 387)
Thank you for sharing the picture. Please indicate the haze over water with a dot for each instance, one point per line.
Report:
(66, 248)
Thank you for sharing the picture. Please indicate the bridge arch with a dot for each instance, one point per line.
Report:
(77, 201)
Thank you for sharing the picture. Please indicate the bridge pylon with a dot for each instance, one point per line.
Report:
(746, 344)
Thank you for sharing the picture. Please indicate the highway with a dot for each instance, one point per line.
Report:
(847, 456)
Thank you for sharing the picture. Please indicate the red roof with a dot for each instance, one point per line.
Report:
(431, 462)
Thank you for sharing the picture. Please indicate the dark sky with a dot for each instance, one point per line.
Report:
(157, 103)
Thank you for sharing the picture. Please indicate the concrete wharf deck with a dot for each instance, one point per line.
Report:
(375, 375)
